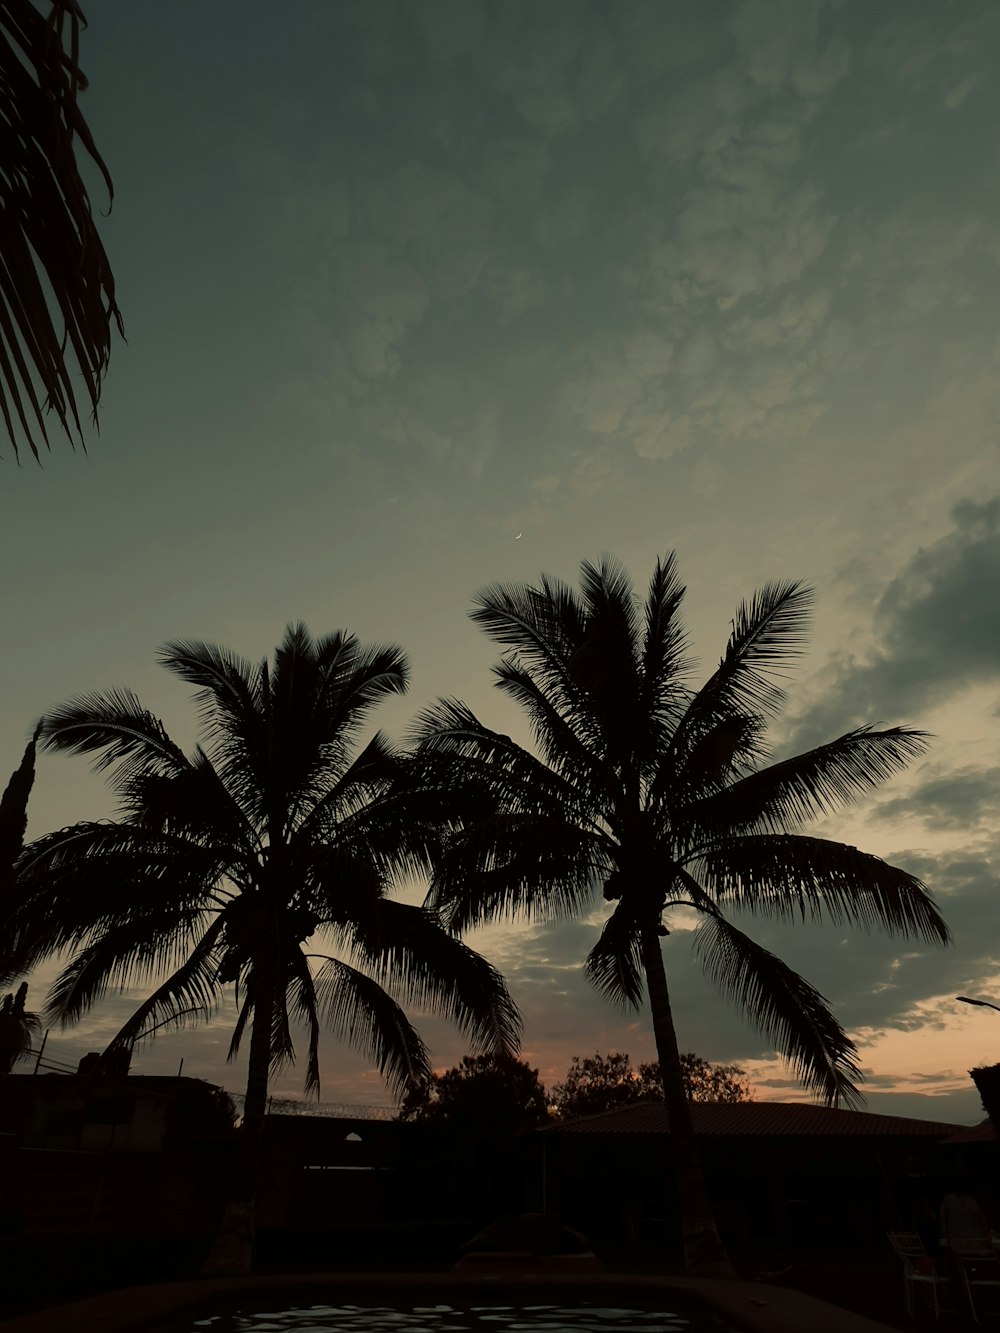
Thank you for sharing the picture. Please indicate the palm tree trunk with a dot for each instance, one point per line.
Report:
(231, 1254)
(704, 1253)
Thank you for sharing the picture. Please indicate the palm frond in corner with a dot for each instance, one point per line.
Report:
(57, 291)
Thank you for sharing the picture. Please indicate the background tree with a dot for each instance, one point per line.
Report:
(48, 237)
(604, 1082)
(14, 812)
(663, 796)
(18, 1028)
(222, 868)
(469, 1121)
(706, 1082)
(490, 1094)
(601, 1083)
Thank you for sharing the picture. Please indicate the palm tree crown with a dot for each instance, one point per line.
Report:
(663, 796)
(222, 866)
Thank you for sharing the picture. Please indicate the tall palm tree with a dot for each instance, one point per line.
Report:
(223, 868)
(663, 797)
(48, 236)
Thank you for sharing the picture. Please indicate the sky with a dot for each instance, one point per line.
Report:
(402, 281)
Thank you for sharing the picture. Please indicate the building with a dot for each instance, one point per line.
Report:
(774, 1169)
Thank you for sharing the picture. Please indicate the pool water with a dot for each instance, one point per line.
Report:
(575, 1317)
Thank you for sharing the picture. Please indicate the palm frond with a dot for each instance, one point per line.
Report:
(408, 951)
(243, 1018)
(768, 635)
(450, 726)
(614, 964)
(786, 875)
(355, 678)
(819, 782)
(544, 628)
(48, 236)
(282, 1048)
(306, 1010)
(282, 1045)
(485, 771)
(543, 624)
(327, 792)
(520, 866)
(320, 695)
(665, 644)
(113, 725)
(785, 1009)
(191, 989)
(609, 601)
(361, 1013)
(87, 880)
(194, 805)
(231, 695)
(132, 954)
(561, 747)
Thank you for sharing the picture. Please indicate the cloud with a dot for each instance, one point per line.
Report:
(777, 42)
(875, 982)
(936, 627)
(564, 218)
(954, 99)
(948, 801)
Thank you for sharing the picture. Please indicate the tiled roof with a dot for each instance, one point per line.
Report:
(774, 1118)
(981, 1133)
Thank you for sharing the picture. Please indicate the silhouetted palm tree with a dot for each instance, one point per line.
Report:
(222, 866)
(57, 292)
(662, 796)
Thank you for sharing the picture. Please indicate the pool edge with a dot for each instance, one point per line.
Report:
(754, 1306)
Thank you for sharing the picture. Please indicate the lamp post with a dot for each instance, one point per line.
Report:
(986, 1004)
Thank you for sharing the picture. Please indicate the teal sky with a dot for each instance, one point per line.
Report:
(403, 280)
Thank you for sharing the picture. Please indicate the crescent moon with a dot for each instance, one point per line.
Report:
(518, 536)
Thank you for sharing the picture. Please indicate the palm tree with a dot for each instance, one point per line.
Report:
(48, 237)
(662, 796)
(221, 868)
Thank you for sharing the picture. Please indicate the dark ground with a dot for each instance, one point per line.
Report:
(867, 1283)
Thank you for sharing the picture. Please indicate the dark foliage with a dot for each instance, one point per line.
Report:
(57, 291)
(485, 1095)
(18, 1028)
(604, 1082)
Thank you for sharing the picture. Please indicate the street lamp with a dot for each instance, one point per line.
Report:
(986, 1004)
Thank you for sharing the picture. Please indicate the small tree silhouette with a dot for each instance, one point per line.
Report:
(18, 1028)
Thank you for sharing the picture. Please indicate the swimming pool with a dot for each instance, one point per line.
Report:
(571, 1316)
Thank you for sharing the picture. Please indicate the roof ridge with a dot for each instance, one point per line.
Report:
(811, 1116)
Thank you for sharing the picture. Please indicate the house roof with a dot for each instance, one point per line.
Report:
(984, 1132)
(755, 1118)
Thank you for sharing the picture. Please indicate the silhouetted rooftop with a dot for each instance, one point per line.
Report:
(984, 1132)
(757, 1118)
